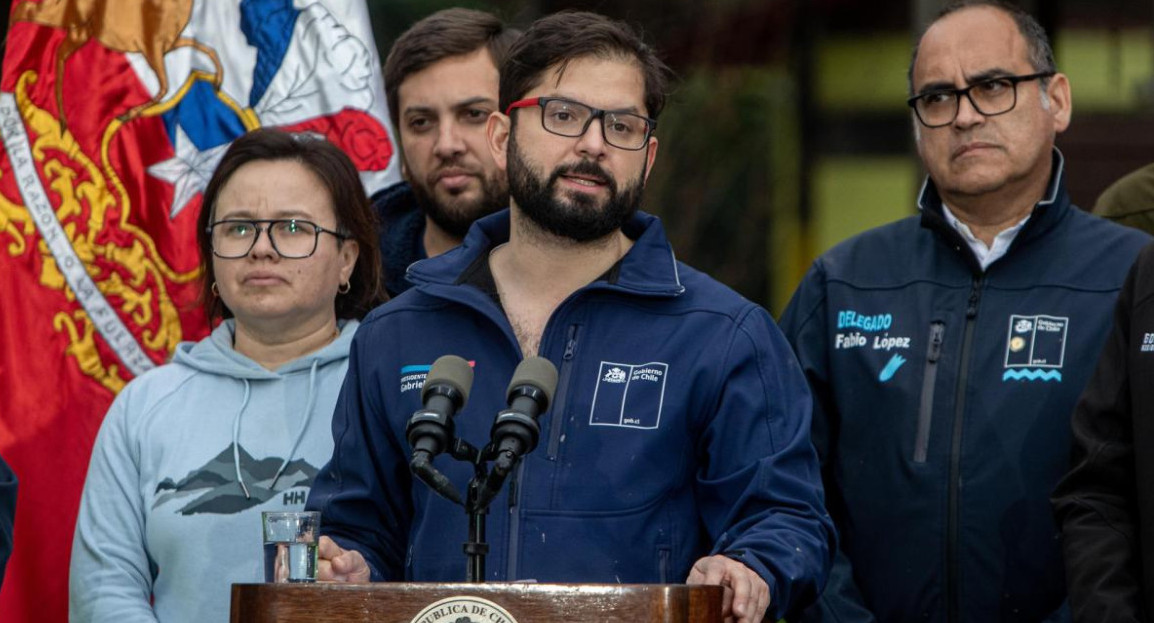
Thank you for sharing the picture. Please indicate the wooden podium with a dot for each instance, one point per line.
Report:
(392, 602)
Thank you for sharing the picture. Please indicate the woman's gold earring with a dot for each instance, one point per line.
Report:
(215, 291)
(345, 287)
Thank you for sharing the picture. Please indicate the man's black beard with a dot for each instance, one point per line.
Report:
(575, 216)
(456, 219)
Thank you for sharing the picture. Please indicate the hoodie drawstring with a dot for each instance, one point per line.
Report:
(236, 439)
(304, 423)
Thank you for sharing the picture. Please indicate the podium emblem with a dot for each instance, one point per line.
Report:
(463, 609)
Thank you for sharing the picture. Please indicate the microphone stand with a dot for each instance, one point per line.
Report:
(476, 498)
(522, 433)
(475, 546)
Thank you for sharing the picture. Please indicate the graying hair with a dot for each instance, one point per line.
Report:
(1038, 50)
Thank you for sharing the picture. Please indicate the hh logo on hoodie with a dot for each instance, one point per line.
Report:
(234, 481)
(629, 395)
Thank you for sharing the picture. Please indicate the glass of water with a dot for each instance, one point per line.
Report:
(290, 545)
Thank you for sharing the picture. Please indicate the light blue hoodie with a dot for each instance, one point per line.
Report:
(187, 457)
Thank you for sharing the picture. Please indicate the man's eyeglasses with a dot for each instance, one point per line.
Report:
(995, 96)
(291, 238)
(569, 118)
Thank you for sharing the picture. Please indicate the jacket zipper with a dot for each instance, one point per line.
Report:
(952, 599)
(557, 425)
(518, 483)
(929, 379)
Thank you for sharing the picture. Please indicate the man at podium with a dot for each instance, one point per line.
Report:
(676, 445)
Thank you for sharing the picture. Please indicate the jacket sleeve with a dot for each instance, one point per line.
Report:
(760, 487)
(363, 493)
(111, 575)
(804, 325)
(1095, 504)
(7, 513)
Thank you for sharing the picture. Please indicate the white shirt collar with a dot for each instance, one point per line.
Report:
(986, 255)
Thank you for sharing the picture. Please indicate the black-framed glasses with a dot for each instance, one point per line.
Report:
(994, 96)
(564, 117)
(291, 238)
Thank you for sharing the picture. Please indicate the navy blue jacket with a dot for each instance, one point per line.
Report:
(401, 234)
(942, 406)
(679, 429)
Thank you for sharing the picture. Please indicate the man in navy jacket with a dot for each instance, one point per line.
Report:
(441, 83)
(677, 444)
(946, 351)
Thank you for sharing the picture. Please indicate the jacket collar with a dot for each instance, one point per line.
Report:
(402, 233)
(1055, 203)
(649, 268)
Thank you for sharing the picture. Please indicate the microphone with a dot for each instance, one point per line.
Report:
(515, 431)
(430, 429)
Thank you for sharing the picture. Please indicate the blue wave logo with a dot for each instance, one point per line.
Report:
(891, 368)
(1032, 375)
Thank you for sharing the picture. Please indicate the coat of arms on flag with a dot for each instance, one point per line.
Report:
(113, 115)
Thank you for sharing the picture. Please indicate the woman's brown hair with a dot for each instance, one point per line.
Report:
(355, 218)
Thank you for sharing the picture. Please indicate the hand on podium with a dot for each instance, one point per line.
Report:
(336, 564)
(746, 594)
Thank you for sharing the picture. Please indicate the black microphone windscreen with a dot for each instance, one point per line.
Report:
(538, 372)
(453, 371)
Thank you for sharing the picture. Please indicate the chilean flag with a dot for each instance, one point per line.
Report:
(113, 116)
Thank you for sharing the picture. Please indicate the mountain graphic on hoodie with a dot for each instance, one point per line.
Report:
(218, 492)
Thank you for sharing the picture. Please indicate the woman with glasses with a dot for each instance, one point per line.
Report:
(191, 453)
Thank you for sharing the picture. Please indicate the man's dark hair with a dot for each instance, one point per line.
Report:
(1038, 50)
(557, 39)
(350, 204)
(447, 33)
